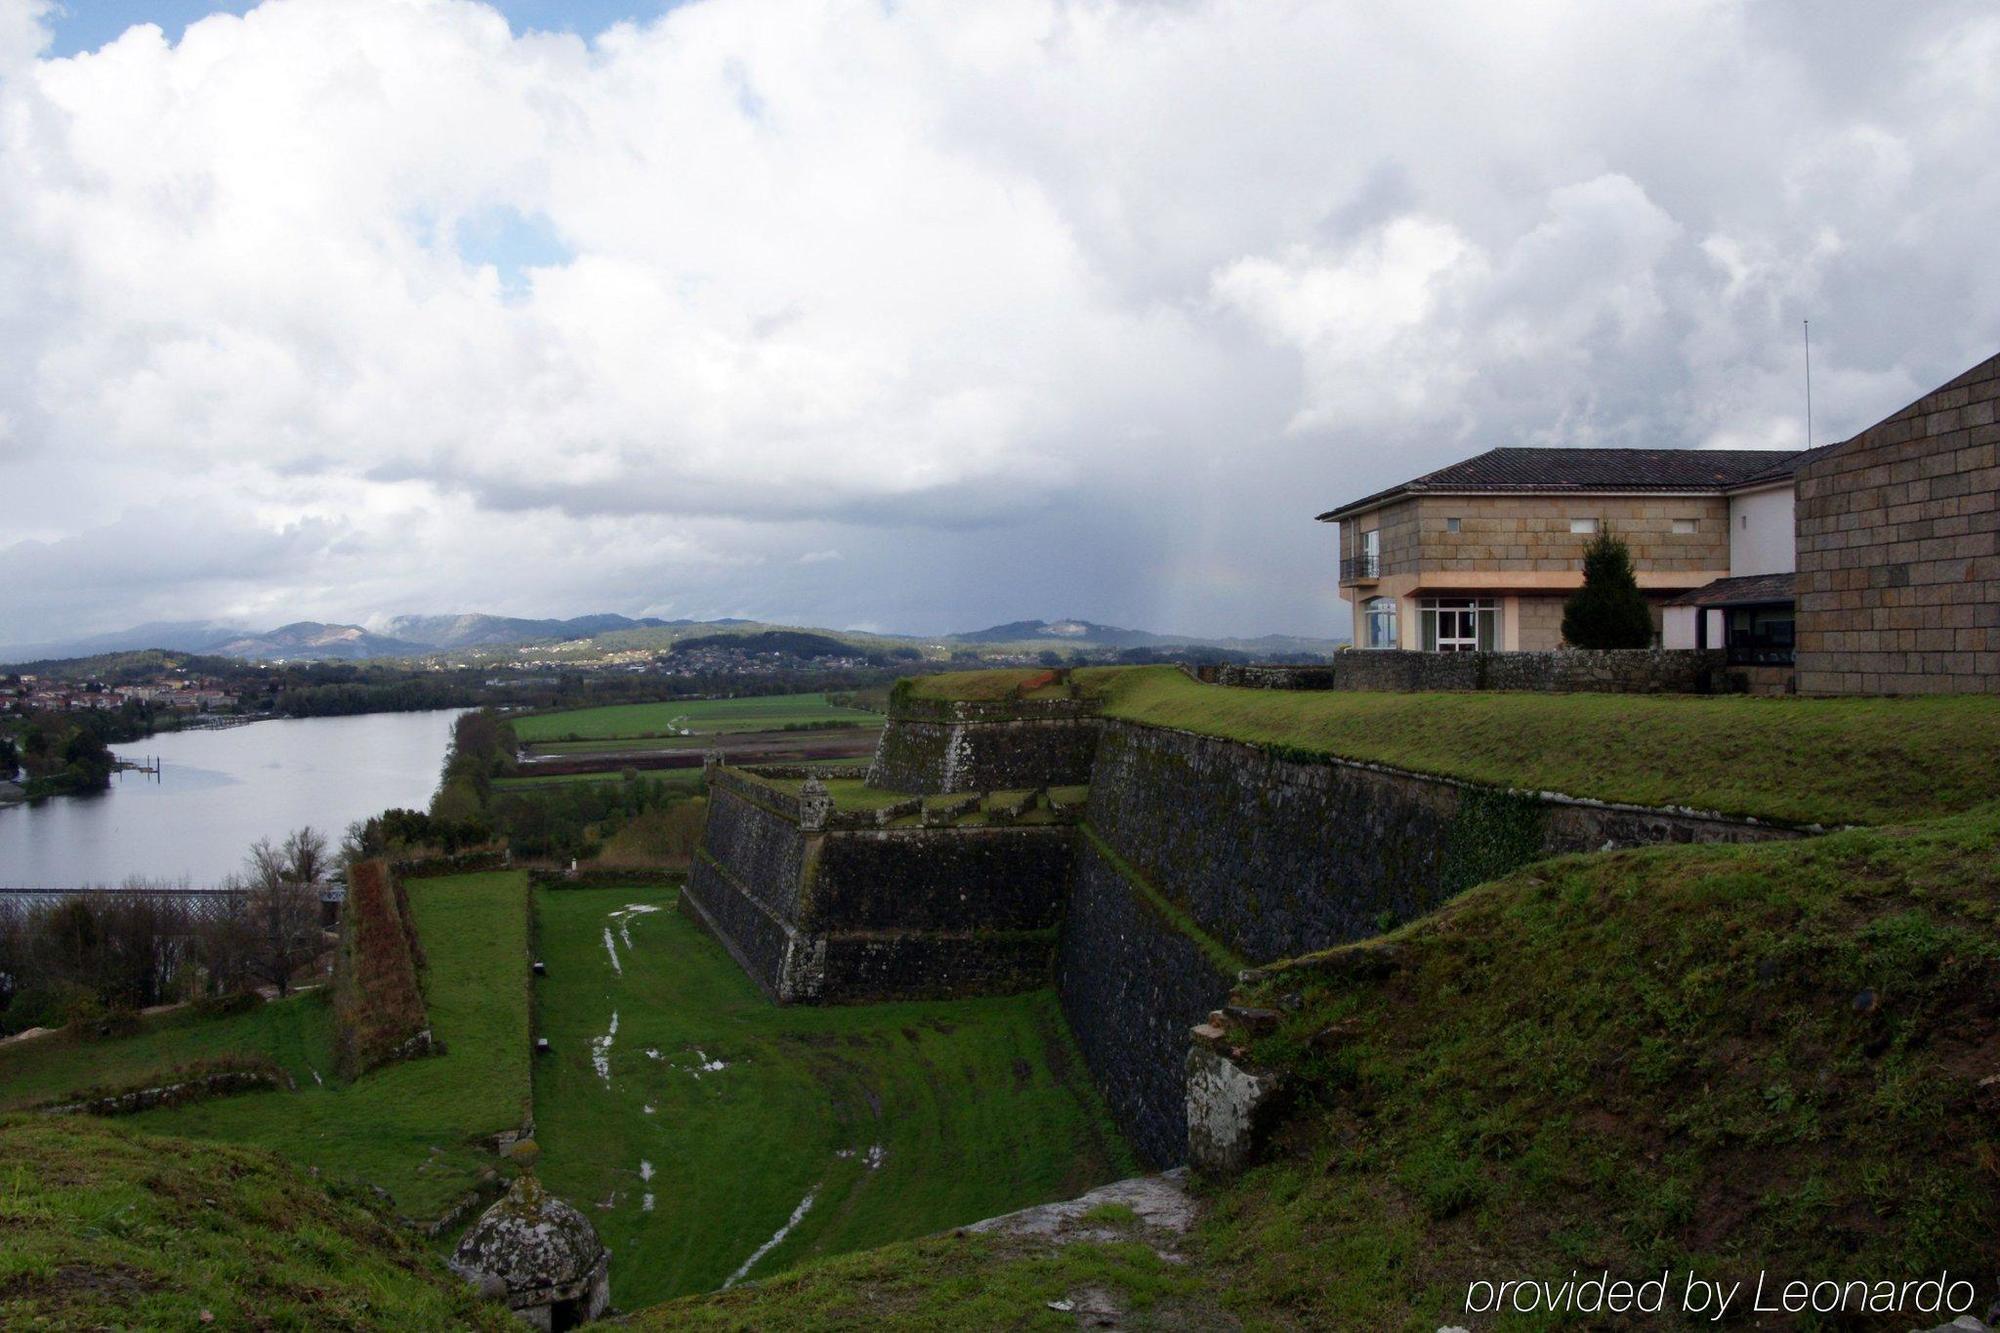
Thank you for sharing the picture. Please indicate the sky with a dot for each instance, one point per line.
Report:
(922, 316)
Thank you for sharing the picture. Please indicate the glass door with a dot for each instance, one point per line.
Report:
(1458, 629)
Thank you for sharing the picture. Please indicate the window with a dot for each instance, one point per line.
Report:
(1746, 522)
(1583, 525)
(1451, 525)
(1379, 622)
(1460, 624)
(1684, 525)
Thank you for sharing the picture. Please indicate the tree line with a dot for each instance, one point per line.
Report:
(99, 957)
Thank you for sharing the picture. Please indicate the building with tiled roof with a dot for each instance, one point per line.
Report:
(1482, 554)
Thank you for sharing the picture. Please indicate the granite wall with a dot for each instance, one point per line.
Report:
(827, 914)
(1568, 671)
(928, 756)
(1132, 981)
(1899, 550)
(1270, 856)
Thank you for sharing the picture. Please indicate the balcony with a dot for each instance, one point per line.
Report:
(1361, 569)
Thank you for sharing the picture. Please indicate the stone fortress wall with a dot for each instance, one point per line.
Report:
(819, 907)
(1194, 858)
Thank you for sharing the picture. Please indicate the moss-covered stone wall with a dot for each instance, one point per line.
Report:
(932, 757)
(1133, 979)
(842, 915)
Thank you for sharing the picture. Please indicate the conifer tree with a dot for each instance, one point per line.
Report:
(1608, 611)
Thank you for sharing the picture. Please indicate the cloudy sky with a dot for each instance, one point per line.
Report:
(922, 315)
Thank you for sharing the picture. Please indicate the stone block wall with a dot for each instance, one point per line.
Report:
(1272, 857)
(1569, 671)
(833, 914)
(1131, 982)
(1899, 550)
(929, 755)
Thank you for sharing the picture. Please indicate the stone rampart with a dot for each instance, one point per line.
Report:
(1568, 671)
(824, 913)
(938, 746)
(1129, 975)
(1270, 856)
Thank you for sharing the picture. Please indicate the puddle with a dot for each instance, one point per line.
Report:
(777, 1238)
(600, 1051)
(623, 916)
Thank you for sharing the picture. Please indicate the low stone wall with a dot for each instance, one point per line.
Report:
(1568, 671)
(1129, 977)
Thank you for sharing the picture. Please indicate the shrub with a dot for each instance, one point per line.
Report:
(1608, 611)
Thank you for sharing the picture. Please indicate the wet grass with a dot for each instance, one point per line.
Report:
(109, 1228)
(414, 1128)
(898, 1119)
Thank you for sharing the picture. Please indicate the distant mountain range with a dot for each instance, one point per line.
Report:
(478, 637)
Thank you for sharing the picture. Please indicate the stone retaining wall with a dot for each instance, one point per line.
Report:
(1129, 978)
(931, 757)
(1273, 857)
(829, 914)
(1569, 671)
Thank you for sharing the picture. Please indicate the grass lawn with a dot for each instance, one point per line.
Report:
(714, 1115)
(701, 716)
(1811, 760)
(411, 1128)
(109, 1228)
(689, 778)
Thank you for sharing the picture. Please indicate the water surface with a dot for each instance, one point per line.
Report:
(218, 792)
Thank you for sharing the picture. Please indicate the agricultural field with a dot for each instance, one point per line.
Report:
(702, 717)
(410, 1128)
(713, 1136)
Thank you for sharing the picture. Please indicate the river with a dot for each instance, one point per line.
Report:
(219, 791)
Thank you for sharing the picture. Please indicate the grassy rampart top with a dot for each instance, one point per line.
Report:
(107, 1228)
(1831, 761)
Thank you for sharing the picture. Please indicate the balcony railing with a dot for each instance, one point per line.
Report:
(1358, 567)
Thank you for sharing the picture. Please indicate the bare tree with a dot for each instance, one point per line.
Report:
(307, 860)
(283, 914)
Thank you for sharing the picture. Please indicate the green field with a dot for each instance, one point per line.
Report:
(689, 778)
(703, 717)
(969, 1108)
(410, 1128)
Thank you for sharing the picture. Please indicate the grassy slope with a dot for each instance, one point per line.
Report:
(410, 1128)
(1729, 1058)
(981, 1106)
(1824, 760)
(702, 716)
(109, 1228)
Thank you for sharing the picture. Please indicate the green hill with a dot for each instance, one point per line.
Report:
(107, 1228)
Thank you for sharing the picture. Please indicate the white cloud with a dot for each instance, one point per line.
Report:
(1083, 291)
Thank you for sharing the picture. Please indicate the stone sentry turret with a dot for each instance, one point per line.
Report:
(539, 1255)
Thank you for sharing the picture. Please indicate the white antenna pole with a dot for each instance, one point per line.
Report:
(1809, 436)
